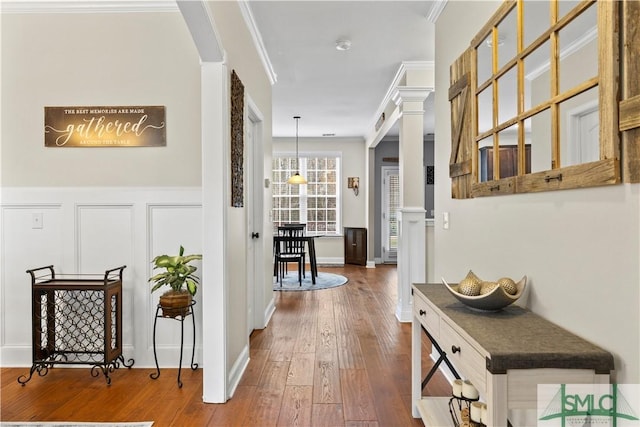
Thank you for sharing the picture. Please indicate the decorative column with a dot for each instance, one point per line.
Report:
(411, 214)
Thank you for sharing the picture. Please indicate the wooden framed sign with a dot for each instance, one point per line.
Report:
(118, 126)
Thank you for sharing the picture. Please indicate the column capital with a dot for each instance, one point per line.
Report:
(411, 94)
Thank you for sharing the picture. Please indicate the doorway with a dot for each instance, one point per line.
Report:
(254, 213)
(390, 204)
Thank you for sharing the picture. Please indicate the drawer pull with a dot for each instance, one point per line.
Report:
(455, 349)
(422, 312)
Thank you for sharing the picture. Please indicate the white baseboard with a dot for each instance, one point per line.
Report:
(238, 368)
(331, 261)
(268, 312)
(371, 264)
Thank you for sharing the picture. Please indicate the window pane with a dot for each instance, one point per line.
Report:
(538, 137)
(485, 110)
(537, 83)
(507, 87)
(579, 50)
(485, 159)
(580, 129)
(537, 19)
(485, 59)
(316, 203)
(507, 38)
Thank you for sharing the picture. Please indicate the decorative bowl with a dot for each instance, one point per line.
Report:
(494, 300)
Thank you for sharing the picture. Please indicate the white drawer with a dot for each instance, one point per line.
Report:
(427, 315)
(469, 363)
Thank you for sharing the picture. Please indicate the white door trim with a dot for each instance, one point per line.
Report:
(255, 217)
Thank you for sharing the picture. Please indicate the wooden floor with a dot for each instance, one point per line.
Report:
(335, 357)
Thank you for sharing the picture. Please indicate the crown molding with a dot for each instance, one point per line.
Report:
(82, 6)
(257, 40)
(437, 6)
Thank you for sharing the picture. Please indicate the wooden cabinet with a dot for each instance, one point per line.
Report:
(76, 320)
(355, 246)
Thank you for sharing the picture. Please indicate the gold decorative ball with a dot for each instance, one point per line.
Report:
(508, 285)
(487, 287)
(469, 287)
(471, 276)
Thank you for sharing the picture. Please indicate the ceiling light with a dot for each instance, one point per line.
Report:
(501, 40)
(343, 44)
(297, 178)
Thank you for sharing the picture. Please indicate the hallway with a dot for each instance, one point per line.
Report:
(332, 358)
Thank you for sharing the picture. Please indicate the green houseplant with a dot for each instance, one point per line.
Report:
(179, 276)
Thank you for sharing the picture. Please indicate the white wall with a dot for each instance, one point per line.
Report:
(98, 59)
(579, 248)
(330, 250)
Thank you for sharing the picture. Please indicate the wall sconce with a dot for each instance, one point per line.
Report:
(353, 182)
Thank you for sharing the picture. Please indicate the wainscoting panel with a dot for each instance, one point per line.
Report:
(90, 230)
(105, 240)
(25, 247)
(172, 225)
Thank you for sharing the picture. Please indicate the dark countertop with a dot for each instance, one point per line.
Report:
(517, 338)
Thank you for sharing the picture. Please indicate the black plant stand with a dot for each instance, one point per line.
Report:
(179, 318)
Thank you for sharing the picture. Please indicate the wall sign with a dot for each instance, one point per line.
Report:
(126, 126)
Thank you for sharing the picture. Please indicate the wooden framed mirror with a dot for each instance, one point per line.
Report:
(534, 100)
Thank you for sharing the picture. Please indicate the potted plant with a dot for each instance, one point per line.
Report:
(179, 275)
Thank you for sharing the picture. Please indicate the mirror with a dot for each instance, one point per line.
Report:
(537, 93)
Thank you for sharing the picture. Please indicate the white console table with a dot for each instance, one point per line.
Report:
(505, 354)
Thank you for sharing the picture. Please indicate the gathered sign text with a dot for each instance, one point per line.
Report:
(137, 126)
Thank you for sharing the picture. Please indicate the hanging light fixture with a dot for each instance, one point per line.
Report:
(297, 178)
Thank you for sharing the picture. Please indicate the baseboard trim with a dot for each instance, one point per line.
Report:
(237, 370)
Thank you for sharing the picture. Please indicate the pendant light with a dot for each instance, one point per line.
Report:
(297, 178)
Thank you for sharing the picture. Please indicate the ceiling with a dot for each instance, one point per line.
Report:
(340, 92)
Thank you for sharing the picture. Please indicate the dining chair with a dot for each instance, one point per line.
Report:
(290, 248)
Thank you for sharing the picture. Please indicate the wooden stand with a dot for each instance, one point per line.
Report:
(76, 320)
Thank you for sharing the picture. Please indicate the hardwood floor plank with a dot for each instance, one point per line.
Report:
(326, 382)
(362, 424)
(333, 357)
(301, 369)
(232, 413)
(274, 377)
(296, 406)
(358, 403)
(388, 399)
(306, 339)
(265, 408)
(327, 415)
(258, 360)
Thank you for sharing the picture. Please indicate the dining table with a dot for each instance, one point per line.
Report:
(311, 250)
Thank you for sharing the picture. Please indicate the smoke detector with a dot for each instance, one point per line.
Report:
(343, 44)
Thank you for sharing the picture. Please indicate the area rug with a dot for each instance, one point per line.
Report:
(323, 281)
(71, 424)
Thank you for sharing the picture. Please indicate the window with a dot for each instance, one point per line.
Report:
(533, 65)
(317, 203)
